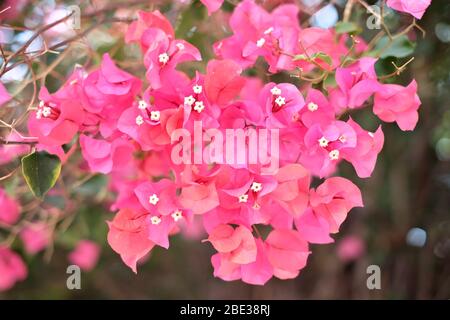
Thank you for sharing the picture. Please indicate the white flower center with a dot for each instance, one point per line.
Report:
(260, 42)
(334, 154)
(269, 30)
(139, 120)
(189, 100)
(197, 89)
(46, 112)
(163, 58)
(280, 101)
(243, 198)
(312, 106)
(199, 106)
(256, 187)
(153, 199)
(155, 115)
(142, 105)
(275, 91)
(177, 215)
(155, 220)
(323, 142)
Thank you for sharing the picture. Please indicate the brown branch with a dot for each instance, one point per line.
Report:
(22, 49)
(6, 142)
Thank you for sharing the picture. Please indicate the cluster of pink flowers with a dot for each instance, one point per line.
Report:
(260, 225)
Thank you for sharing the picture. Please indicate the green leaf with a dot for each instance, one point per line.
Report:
(318, 55)
(346, 27)
(41, 170)
(400, 47)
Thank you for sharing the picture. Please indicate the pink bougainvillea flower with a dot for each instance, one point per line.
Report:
(128, 236)
(103, 156)
(223, 81)
(110, 90)
(313, 227)
(259, 33)
(350, 248)
(147, 20)
(323, 145)
(12, 268)
(415, 8)
(199, 192)
(334, 198)
(212, 5)
(363, 156)
(10, 209)
(281, 102)
(397, 103)
(158, 197)
(85, 255)
(287, 252)
(160, 200)
(238, 243)
(329, 205)
(257, 272)
(150, 127)
(164, 54)
(56, 121)
(35, 237)
(356, 84)
(317, 109)
(292, 191)
(4, 95)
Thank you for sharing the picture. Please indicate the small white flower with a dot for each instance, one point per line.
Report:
(142, 105)
(197, 89)
(153, 199)
(189, 100)
(199, 106)
(269, 30)
(155, 220)
(41, 104)
(177, 215)
(323, 142)
(334, 154)
(155, 115)
(243, 198)
(163, 58)
(139, 120)
(260, 42)
(275, 91)
(281, 101)
(256, 186)
(180, 46)
(46, 112)
(312, 106)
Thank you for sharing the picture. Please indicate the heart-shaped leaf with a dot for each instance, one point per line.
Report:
(41, 170)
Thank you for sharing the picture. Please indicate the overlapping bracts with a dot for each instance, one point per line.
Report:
(260, 225)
